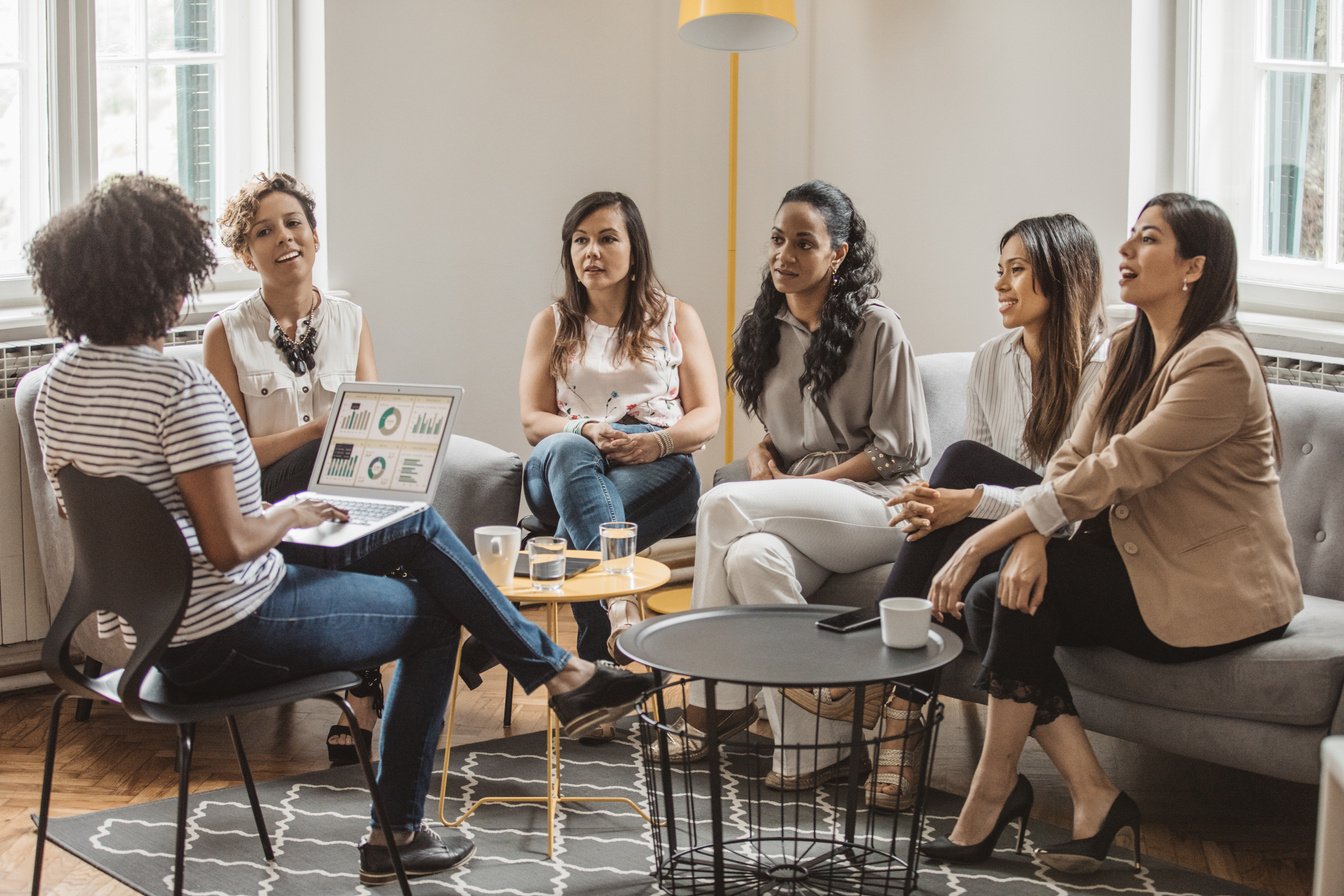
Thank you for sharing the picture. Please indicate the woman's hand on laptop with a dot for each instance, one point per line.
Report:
(309, 512)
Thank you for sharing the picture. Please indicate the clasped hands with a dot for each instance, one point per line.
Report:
(923, 508)
(1022, 577)
(622, 447)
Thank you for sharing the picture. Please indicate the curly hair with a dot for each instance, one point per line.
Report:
(646, 300)
(756, 340)
(116, 267)
(241, 212)
(1067, 269)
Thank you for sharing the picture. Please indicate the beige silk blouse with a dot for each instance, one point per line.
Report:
(876, 406)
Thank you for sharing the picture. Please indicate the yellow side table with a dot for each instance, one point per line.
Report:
(593, 584)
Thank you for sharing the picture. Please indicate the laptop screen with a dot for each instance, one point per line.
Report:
(385, 442)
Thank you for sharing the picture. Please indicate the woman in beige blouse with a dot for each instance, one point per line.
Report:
(827, 368)
(1179, 549)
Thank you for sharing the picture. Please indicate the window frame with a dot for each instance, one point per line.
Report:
(70, 135)
(1291, 287)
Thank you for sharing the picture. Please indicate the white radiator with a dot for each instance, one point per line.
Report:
(23, 606)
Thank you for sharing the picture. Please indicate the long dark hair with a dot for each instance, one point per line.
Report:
(646, 301)
(1067, 270)
(1200, 228)
(756, 341)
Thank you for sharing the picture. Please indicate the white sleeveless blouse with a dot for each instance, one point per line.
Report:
(597, 386)
(275, 398)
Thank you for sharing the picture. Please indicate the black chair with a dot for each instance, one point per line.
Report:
(130, 558)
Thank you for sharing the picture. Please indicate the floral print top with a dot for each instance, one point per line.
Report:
(599, 387)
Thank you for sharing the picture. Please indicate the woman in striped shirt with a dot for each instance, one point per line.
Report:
(113, 272)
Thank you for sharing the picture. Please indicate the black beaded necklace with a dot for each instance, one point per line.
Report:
(298, 354)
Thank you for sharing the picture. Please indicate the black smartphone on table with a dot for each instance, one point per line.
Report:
(850, 620)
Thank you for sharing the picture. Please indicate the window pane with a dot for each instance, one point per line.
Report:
(181, 26)
(11, 117)
(115, 27)
(181, 128)
(1297, 29)
(1294, 164)
(117, 131)
(9, 30)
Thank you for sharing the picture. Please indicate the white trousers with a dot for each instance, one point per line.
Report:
(776, 542)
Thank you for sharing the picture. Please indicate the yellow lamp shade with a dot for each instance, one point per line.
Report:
(737, 25)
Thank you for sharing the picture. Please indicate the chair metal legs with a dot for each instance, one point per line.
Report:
(92, 668)
(246, 771)
(186, 734)
(48, 771)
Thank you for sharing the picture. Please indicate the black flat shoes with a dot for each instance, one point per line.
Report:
(608, 695)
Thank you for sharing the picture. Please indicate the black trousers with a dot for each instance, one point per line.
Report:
(1088, 601)
(963, 464)
(290, 474)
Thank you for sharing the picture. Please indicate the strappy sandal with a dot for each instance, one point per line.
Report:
(687, 743)
(899, 765)
(838, 703)
(371, 686)
(616, 654)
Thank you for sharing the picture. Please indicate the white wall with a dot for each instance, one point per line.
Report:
(458, 134)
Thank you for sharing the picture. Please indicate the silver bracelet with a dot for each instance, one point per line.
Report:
(576, 426)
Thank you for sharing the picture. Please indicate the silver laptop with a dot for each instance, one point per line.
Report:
(381, 456)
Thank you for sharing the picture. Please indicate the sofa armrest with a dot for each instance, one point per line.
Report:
(732, 472)
(481, 486)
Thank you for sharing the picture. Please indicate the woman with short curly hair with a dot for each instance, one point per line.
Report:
(827, 368)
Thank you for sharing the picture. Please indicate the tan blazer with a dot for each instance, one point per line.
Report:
(1194, 500)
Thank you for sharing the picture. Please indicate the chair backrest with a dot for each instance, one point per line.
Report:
(130, 558)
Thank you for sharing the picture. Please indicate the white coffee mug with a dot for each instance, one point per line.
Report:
(905, 621)
(497, 551)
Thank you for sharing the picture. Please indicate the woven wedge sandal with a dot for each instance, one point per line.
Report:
(891, 785)
(838, 703)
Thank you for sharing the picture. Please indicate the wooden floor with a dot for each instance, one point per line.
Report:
(1242, 827)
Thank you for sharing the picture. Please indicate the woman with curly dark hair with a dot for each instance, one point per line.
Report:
(827, 368)
(113, 272)
(617, 392)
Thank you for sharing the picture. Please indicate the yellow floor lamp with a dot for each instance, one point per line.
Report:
(735, 26)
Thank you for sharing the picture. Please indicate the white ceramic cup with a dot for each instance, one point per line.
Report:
(905, 621)
(497, 551)
(618, 547)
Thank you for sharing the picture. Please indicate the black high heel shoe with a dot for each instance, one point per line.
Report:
(1087, 855)
(475, 660)
(1017, 806)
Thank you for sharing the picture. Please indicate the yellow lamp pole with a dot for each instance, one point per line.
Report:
(735, 25)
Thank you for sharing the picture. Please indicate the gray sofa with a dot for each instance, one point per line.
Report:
(481, 486)
(1265, 708)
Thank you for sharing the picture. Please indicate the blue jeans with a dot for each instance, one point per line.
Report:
(570, 485)
(337, 609)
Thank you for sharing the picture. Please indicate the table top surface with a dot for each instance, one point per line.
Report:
(779, 646)
(592, 584)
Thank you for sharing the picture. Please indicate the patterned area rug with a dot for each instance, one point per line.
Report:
(316, 819)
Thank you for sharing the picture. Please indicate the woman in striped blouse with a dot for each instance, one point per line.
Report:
(113, 272)
(1026, 390)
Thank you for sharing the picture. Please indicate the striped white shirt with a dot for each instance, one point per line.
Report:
(998, 399)
(133, 411)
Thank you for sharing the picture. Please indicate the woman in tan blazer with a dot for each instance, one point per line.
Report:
(1177, 547)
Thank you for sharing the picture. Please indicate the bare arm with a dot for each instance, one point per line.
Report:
(366, 369)
(699, 394)
(541, 416)
(219, 361)
(227, 537)
(858, 468)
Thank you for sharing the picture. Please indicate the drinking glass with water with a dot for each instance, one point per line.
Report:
(546, 562)
(618, 547)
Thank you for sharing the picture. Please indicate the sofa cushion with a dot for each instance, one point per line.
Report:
(1295, 680)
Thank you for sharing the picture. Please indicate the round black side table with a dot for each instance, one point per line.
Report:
(800, 840)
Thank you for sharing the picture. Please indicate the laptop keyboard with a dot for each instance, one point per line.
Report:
(368, 512)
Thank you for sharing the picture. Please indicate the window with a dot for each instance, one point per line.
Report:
(174, 88)
(1268, 103)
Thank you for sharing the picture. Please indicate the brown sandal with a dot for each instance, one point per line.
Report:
(838, 703)
(899, 765)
